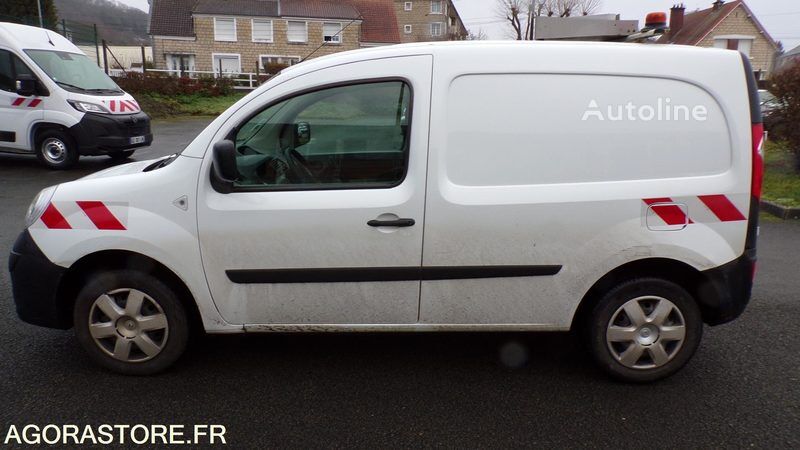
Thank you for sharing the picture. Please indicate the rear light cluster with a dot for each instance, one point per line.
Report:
(758, 160)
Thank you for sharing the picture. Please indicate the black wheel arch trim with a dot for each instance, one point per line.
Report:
(722, 293)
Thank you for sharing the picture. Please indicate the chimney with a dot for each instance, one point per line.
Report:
(676, 15)
(718, 4)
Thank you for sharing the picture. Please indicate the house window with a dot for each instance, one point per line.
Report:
(408, 6)
(332, 32)
(407, 29)
(436, 6)
(262, 30)
(228, 63)
(224, 29)
(269, 61)
(179, 64)
(297, 31)
(735, 42)
(436, 29)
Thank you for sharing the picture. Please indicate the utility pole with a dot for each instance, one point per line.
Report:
(41, 20)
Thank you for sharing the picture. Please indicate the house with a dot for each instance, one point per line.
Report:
(256, 35)
(724, 25)
(429, 20)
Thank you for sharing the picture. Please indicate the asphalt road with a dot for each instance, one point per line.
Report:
(452, 390)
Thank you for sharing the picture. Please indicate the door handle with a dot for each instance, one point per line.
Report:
(392, 223)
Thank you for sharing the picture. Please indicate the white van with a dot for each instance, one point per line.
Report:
(607, 188)
(56, 103)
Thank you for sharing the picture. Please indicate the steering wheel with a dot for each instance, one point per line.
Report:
(299, 166)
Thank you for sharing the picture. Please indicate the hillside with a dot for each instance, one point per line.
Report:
(117, 23)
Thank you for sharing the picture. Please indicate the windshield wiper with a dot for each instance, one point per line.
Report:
(113, 91)
(61, 83)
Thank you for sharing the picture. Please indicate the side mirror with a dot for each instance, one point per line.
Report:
(302, 133)
(26, 85)
(223, 170)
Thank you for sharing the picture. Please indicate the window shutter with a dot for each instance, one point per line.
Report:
(297, 32)
(331, 32)
(224, 29)
(262, 30)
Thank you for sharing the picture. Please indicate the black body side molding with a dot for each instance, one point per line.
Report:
(359, 274)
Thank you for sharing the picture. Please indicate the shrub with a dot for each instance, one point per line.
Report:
(274, 68)
(166, 85)
(786, 88)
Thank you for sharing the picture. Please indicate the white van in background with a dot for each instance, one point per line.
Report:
(56, 103)
(611, 189)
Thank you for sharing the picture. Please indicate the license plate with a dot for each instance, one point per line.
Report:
(137, 139)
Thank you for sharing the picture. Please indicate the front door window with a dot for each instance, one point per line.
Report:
(343, 137)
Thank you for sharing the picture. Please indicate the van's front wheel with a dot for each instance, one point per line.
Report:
(644, 330)
(130, 322)
(56, 149)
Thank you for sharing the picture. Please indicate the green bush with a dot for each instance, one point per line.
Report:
(163, 84)
(786, 88)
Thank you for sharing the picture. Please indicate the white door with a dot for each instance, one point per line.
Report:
(17, 113)
(321, 158)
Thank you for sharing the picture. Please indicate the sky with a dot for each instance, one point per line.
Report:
(780, 17)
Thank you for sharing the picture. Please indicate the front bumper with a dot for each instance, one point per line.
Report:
(726, 291)
(100, 134)
(35, 281)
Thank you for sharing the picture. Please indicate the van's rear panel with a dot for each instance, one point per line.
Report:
(587, 157)
(729, 287)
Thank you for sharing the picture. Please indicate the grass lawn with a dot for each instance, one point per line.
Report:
(781, 182)
(162, 107)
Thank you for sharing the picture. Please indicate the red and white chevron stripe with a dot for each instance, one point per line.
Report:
(121, 106)
(700, 209)
(19, 102)
(84, 215)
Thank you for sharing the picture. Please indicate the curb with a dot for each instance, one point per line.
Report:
(780, 211)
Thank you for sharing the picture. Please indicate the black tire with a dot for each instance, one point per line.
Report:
(56, 149)
(121, 156)
(172, 339)
(609, 355)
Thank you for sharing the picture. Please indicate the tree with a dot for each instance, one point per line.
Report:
(480, 35)
(512, 10)
(518, 12)
(786, 89)
(27, 12)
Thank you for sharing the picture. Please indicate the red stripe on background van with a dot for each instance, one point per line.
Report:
(17, 102)
(34, 103)
(100, 216)
(53, 219)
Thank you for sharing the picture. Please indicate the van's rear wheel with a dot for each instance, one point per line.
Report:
(130, 322)
(121, 156)
(56, 149)
(644, 330)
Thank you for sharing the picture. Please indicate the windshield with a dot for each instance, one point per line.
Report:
(74, 72)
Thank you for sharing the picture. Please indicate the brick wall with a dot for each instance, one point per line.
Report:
(762, 54)
(205, 45)
(420, 19)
